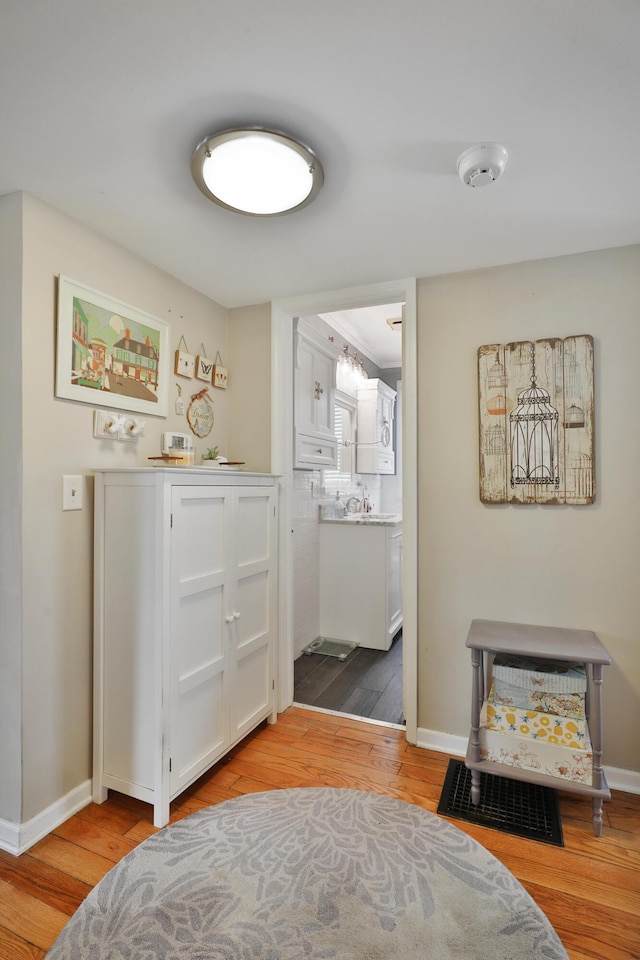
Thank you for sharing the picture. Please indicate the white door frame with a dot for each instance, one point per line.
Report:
(282, 314)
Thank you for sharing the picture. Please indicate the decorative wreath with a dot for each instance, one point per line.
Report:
(200, 414)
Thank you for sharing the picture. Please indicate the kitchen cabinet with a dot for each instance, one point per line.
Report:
(361, 580)
(314, 410)
(184, 624)
(489, 637)
(376, 408)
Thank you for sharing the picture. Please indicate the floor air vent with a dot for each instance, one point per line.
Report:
(513, 806)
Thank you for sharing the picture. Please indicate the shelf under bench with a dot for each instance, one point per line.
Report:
(551, 643)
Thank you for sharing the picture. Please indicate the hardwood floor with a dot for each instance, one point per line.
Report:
(589, 889)
(367, 684)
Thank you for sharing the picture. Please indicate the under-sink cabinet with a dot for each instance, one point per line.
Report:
(184, 631)
(361, 581)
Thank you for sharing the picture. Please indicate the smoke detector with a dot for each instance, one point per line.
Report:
(482, 164)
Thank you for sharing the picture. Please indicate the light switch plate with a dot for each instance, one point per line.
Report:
(72, 492)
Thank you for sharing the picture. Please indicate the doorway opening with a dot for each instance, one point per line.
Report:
(347, 520)
(284, 315)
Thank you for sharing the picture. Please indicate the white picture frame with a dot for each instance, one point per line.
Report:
(97, 363)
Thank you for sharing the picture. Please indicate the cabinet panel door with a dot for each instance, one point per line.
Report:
(315, 390)
(395, 584)
(201, 543)
(324, 393)
(254, 604)
(305, 401)
(310, 451)
(131, 655)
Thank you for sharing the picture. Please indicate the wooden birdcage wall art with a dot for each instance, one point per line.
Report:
(533, 434)
(536, 412)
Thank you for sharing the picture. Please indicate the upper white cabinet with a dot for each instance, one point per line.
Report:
(184, 632)
(376, 408)
(315, 387)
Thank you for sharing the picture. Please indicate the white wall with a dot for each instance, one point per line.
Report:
(556, 565)
(57, 439)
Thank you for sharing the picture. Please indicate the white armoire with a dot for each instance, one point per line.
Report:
(185, 604)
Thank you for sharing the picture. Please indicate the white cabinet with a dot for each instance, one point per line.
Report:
(184, 631)
(376, 407)
(361, 581)
(315, 382)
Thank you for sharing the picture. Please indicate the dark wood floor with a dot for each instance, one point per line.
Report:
(367, 684)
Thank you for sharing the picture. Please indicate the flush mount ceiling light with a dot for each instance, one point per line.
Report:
(258, 172)
(482, 164)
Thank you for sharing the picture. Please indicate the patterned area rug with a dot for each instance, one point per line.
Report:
(309, 873)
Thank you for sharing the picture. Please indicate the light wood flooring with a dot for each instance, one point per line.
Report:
(589, 889)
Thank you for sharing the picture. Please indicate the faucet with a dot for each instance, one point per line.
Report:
(352, 505)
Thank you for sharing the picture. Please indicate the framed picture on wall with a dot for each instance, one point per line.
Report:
(109, 353)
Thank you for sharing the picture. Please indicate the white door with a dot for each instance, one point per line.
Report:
(201, 601)
(253, 607)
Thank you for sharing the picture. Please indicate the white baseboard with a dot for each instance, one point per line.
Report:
(617, 778)
(620, 779)
(15, 838)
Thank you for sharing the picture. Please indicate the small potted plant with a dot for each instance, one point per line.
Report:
(210, 454)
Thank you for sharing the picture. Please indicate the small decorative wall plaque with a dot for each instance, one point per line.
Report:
(200, 414)
(185, 362)
(536, 413)
(204, 366)
(219, 373)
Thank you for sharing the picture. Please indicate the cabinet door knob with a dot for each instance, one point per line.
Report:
(236, 615)
(319, 450)
(230, 618)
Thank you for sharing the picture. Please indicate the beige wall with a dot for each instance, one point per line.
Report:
(10, 503)
(250, 386)
(57, 439)
(557, 565)
(567, 566)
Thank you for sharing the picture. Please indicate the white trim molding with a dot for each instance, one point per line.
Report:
(16, 838)
(283, 313)
(617, 778)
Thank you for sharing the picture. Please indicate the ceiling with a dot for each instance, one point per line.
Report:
(103, 101)
(374, 332)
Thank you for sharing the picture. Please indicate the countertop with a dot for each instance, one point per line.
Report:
(365, 520)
